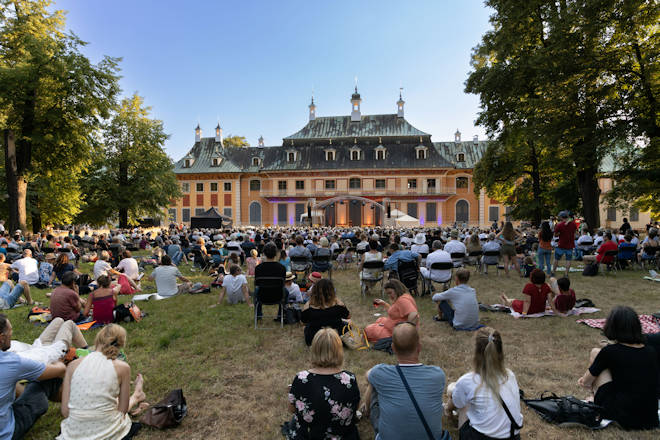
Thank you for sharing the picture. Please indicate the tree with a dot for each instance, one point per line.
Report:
(132, 176)
(235, 141)
(52, 99)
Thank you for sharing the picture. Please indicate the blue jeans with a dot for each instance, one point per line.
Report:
(9, 296)
(544, 256)
(447, 312)
(32, 404)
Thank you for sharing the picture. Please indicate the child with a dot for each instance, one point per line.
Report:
(285, 260)
(536, 292)
(234, 287)
(563, 297)
(295, 295)
(252, 262)
(528, 266)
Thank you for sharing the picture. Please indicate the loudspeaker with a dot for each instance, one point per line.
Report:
(309, 212)
(389, 211)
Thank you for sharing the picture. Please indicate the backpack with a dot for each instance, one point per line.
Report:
(590, 270)
(566, 410)
(384, 344)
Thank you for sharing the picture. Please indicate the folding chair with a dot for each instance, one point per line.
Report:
(651, 253)
(324, 259)
(475, 257)
(373, 265)
(199, 260)
(300, 264)
(427, 283)
(496, 264)
(408, 273)
(458, 257)
(269, 291)
(613, 262)
(628, 254)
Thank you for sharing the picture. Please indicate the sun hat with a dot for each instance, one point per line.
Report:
(50, 256)
(315, 277)
(290, 276)
(420, 238)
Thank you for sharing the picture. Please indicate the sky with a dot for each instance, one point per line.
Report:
(254, 65)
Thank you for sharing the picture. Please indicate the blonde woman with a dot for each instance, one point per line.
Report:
(96, 392)
(324, 398)
(482, 395)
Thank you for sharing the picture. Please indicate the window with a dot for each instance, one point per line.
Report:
(421, 153)
(300, 184)
(412, 209)
(282, 210)
(460, 157)
(412, 183)
(187, 163)
(214, 186)
(355, 155)
(634, 214)
(172, 214)
(255, 161)
(354, 183)
(611, 214)
(226, 212)
(255, 185)
(291, 156)
(199, 211)
(281, 185)
(330, 155)
(431, 212)
(430, 185)
(380, 154)
(300, 210)
(228, 186)
(216, 161)
(462, 211)
(185, 215)
(329, 184)
(199, 187)
(380, 183)
(185, 187)
(493, 213)
(461, 182)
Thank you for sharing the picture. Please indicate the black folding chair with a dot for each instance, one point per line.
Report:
(300, 264)
(496, 264)
(373, 265)
(652, 252)
(269, 291)
(612, 257)
(458, 257)
(427, 283)
(199, 259)
(324, 259)
(474, 257)
(408, 273)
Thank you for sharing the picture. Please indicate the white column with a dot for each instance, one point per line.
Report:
(482, 207)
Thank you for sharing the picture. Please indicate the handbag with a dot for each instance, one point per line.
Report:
(445, 434)
(354, 338)
(566, 410)
(291, 314)
(168, 412)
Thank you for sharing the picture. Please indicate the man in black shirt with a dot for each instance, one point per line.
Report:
(270, 268)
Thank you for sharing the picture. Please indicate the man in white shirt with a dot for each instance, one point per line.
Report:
(166, 276)
(437, 256)
(235, 287)
(490, 245)
(455, 246)
(129, 265)
(27, 268)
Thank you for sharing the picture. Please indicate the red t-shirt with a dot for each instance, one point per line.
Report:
(565, 301)
(609, 245)
(538, 296)
(65, 304)
(566, 232)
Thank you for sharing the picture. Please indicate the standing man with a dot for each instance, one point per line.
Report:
(389, 401)
(565, 230)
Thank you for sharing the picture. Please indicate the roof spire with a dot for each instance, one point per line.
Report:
(355, 105)
(399, 104)
(312, 109)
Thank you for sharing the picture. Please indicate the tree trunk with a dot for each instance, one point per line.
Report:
(123, 218)
(590, 193)
(16, 185)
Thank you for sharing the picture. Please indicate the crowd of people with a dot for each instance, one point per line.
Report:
(400, 400)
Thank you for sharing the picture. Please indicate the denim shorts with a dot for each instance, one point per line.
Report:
(567, 252)
(9, 296)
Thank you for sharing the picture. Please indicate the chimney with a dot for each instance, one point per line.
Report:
(198, 133)
(218, 133)
(312, 110)
(261, 141)
(399, 104)
(475, 139)
(355, 104)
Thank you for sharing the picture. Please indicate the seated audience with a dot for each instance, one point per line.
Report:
(536, 295)
(369, 276)
(400, 256)
(295, 295)
(27, 268)
(129, 266)
(10, 294)
(481, 395)
(102, 301)
(18, 415)
(563, 297)
(528, 266)
(651, 241)
(65, 302)
(323, 309)
(608, 245)
(252, 261)
(270, 268)
(455, 246)
(166, 276)
(623, 376)
(437, 256)
(103, 267)
(234, 287)
(95, 392)
(285, 260)
(388, 402)
(61, 267)
(458, 305)
(46, 270)
(322, 252)
(403, 308)
(324, 398)
(490, 246)
(300, 251)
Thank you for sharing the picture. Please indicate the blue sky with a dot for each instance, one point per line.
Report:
(254, 64)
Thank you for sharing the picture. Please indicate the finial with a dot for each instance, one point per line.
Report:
(400, 93)
(356, 84)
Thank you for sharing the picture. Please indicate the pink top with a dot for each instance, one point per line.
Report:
(102, 311)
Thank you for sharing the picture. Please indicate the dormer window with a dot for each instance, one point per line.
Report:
(460, 157)
(291, 156)
(187, 163)
(380, 152)
(355, 155)
(216, 161)
(330, 155)
(421, 152)
(255, 161)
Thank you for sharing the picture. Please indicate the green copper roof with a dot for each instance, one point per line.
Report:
(327, 127)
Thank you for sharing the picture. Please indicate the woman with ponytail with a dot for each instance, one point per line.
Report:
(487, 398)
(95, 392)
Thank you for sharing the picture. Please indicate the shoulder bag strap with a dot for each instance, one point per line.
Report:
(514, 425)
(419, 411)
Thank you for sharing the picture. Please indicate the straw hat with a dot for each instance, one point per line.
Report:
(50, 256)
(315, 277)
(290, 276)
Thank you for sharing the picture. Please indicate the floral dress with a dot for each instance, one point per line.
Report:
(325, 406)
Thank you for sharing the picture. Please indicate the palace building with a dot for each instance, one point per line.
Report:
(346, 170)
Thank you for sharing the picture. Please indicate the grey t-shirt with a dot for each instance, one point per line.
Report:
(463, 299)
(398, 418)
(165, 277)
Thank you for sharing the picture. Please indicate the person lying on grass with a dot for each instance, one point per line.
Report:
(53, 343)
(235, 287)
(96, 392)
(536, 295)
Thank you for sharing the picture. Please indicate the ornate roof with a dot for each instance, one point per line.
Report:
(335, 127)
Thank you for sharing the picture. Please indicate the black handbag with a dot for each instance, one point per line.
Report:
(291, 314)
(566, 410)
(168, 412)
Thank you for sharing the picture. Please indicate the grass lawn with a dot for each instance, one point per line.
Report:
(235, 378)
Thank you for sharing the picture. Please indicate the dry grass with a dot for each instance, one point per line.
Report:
(235, 378)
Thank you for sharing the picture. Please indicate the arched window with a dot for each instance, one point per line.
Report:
(354, 183)
(462, 211)
(255, 161)
(461, 157)
(380, 154)
(355, 155)
(291, 156)
(255, 213)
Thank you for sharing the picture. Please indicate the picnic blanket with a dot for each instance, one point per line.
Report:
(549, 312)
(649, 323)
(652, 279)
(573, 269)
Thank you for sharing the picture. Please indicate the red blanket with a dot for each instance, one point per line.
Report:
(649, 323)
